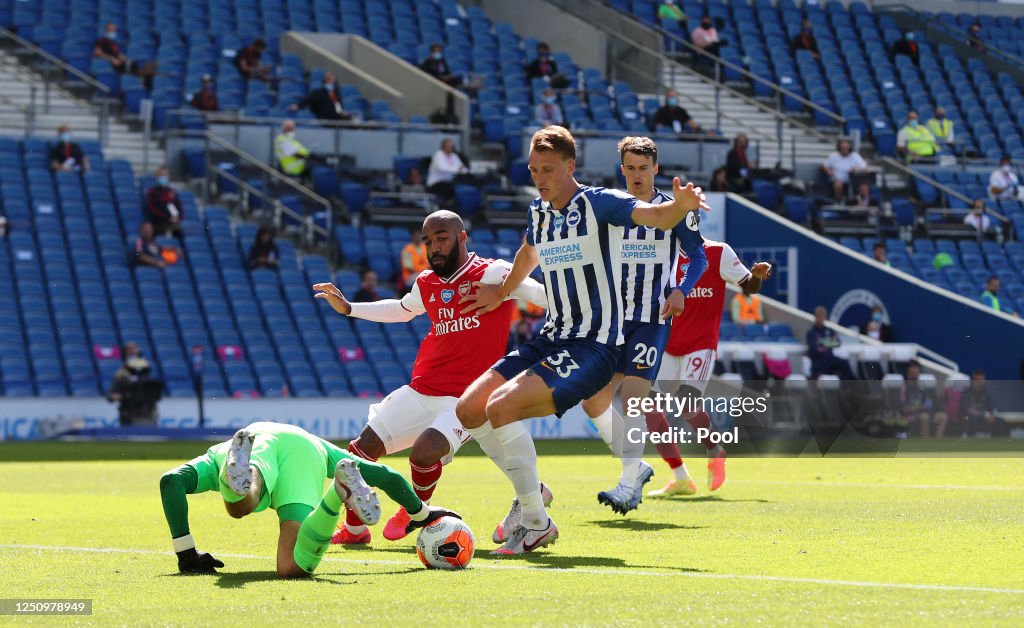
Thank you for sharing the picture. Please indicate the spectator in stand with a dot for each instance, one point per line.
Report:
(264, 253)
(1003, 182)
(522, 333)
(543, 66)
(436, 66)
(145, 251)
(109, 50)
(414, 258)
(747, 309)
(672, 117)
(941, 128)
(324, 102)
(979, 410)
(163, 206)
(880, 254)
(974, 38)
(821, 340)
(249, 64)
(907, 46)
(444, 165)
(367, 289)
(918, 406)
(66, 155)
(877, 328)
(133, 409)
(548, 111)
(990, 297)
(206, 98)
(839, 165)
(738, 165)
(705, 36)
(292, 156)
(669, 10)
(805, 40)
(979, 219)
(863, 197)
(718, 181)
(914, 141)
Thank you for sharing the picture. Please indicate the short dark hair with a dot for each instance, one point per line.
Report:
(879, 245)
(1004, 158)
(556, 139)
(977, 373)
(643, 146)
(259, 43)
(543, 44)
(912, 364)
(991, 277)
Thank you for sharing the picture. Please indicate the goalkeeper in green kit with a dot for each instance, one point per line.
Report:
(283, 467)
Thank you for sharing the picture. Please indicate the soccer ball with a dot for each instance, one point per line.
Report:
(445, 544)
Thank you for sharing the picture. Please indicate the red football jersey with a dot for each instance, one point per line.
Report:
(458, 348)
(696, 329)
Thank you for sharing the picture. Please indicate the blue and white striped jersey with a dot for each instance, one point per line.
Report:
(648, 258)
(579, 247)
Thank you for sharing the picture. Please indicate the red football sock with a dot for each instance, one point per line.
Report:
(350, 517)
(701, 419)
(669, 452)
(424, 479)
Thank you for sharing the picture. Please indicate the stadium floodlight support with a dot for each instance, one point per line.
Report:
(54, 66)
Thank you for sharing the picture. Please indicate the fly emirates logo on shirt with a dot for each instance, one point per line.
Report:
(450, 322)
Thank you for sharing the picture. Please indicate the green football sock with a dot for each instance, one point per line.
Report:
(316, 530)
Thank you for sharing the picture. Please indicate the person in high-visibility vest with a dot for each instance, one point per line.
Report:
(941, 127)
(414, 258)
(747, 309)
(915, 141)
(290, 153)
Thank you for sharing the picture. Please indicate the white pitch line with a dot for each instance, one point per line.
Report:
(938, 487)
(560, 570)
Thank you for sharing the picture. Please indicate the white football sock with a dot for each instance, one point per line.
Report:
(632, 452)
(681, 473)
(521, 468)
(488, 441)
(604, 423)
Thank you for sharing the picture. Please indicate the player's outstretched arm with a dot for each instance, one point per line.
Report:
(758, 273)
(174, 486)
(383, 311)
(488, 297)
(668, 214)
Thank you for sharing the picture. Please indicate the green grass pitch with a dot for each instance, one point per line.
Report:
(916, 541)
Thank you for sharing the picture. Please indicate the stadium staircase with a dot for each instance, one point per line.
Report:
(697, 94)
(82, 116)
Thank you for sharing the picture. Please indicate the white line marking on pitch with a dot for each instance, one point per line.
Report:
(940, 487)
(520, 567)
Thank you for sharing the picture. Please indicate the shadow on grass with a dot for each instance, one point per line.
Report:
(561, 561)
(640, 526)
(716, 498)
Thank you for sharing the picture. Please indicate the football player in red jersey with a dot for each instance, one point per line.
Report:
(691, 353)
(459, 348)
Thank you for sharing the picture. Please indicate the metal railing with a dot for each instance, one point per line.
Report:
(955, 32)
(310, 228)
(945, 189)
(50, 63)
(238, 119)
(719, 63)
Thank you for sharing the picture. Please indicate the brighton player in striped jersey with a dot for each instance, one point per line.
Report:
(651, 297)
(575, 233)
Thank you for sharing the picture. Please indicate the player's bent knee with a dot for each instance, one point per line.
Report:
(594, 406)
(430, 448)
(471, 411)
